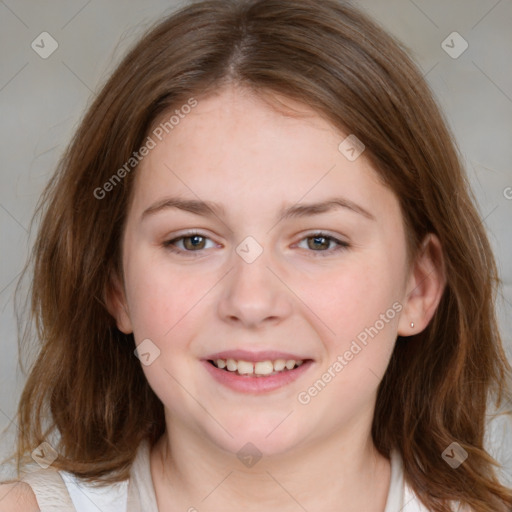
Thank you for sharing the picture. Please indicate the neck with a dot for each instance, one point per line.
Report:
(326, 474)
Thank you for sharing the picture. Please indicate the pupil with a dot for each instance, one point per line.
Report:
(318, 239)
(194, 241)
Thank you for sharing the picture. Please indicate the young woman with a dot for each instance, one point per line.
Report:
(261, 283)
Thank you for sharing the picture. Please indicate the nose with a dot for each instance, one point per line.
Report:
(254, 294)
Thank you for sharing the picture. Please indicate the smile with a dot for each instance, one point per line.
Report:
(256, 372)
(258, 369)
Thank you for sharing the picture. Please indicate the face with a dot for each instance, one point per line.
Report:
(261, 277)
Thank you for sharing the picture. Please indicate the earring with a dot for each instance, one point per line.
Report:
(412, 325)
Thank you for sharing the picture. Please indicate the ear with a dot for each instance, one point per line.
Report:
(425, 286)
(115, 300)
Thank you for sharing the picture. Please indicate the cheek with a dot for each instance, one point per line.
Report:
(162, 296)
(166, 308)
(362, 310)
(352, 297)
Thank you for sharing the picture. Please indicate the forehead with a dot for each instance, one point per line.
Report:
(235, 147)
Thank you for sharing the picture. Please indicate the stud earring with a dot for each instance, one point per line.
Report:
(412, 325)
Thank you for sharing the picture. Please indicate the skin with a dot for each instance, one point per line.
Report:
(234, 148)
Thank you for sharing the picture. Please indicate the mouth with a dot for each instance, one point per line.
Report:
(254, 373)
(258, 368)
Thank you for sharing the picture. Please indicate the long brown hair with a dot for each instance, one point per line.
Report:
(87, 386)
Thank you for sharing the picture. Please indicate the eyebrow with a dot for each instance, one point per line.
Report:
(210, 208)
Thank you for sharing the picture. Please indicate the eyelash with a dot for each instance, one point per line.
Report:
(169, 244)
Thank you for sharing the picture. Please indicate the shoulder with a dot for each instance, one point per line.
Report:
(413, 503)
(17, 497)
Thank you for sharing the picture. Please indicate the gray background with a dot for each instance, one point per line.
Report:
(42, 101)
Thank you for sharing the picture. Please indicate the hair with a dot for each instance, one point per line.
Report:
(86, 384)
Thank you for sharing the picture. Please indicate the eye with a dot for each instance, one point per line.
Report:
(192, 242)
(319, 243)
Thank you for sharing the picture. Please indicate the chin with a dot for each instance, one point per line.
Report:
(258, 436)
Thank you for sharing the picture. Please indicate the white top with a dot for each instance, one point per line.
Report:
(138, 490)
(86, 497)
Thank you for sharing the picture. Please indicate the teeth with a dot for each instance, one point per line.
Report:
(259, 368)
(245, 367)
(263, 368)
(279, 365)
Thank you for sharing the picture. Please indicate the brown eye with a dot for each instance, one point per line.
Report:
(192, 244)
(320, 244)
(195, 242)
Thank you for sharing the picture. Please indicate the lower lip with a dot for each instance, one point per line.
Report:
(245, 384)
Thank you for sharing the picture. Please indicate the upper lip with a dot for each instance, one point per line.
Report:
(245, 355)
